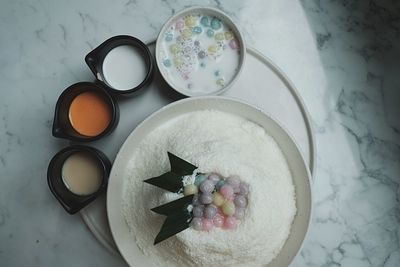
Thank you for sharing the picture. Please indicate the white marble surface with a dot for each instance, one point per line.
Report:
(341, 55)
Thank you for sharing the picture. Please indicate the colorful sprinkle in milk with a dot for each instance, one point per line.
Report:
(200, 53)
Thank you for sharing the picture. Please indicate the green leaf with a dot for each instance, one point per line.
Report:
(180, 166)
(174, 206)
(173, 224)
(169, 181)
(172, 180)
(178, 217)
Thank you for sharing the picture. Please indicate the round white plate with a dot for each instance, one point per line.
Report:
(261, 84)
(300, 173)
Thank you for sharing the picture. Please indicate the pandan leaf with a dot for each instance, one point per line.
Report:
(172, 180)
(173, 224)
(169, 181)
(178, 217)
(174, 206)
(180, 166)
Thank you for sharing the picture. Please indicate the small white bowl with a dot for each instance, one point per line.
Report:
(208, 11)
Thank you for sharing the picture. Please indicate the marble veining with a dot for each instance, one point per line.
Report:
(341, 55)
(356, 40)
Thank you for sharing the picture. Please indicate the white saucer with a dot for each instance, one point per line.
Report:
(261, 84)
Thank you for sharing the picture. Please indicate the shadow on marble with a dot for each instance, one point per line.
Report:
(359, 49)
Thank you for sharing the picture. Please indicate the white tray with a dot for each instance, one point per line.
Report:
(261, 83)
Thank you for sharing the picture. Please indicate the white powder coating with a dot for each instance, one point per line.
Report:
(215, 142)
(189, 179)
